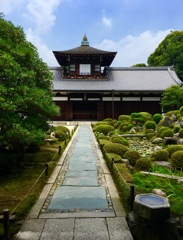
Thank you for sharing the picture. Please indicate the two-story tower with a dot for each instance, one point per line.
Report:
(84, 61)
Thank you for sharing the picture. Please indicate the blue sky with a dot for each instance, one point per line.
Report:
(133, 28)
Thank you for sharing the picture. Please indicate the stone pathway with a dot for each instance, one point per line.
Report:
(80, 201)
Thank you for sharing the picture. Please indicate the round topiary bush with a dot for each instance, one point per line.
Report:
(174, 148)
(149, 131)
(146, 116)
(176, 128)
(60, 135)
(114, 156)
(160, 155)
(160, 131)
(124, 127)
(157, 117)
(132, 156)
(167, 133)
(102, 136)
(124, 118)
(120, 140)
(104, 128)
(177, 159)
(150, 125)
(115, 148)
(143, 164)
(64, 129)
(181, 133)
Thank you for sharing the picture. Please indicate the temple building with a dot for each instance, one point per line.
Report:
(87, 88)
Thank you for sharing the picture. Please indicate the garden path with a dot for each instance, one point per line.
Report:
(80, 201)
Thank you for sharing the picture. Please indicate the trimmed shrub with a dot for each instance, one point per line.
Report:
(115, 148)
(150, 125)
(132, 156)
(149, 131)
(102, 136)
(63, 129)
(160, 131)
(60, 135)
(160, 155)
(150, 135)
(143, 164)
(114, 156)
(167, 133)
(130, 126)
(136, 118)
(123, 128)
(146, 116)
(124, 117)
(177, 159)
(103, 141)
(120, 140)
(174, 148)
(181, 111)
(110, 121)
(157, 117)
(181, 133)
(104, 128)
(176, 128)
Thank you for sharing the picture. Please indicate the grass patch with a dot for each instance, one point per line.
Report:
(163, 170)
(14, 187)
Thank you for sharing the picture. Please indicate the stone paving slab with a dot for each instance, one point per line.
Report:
(68, 197)
(58, 229)
(76, 174)
(82, 167)
(31, 229)
(81, 181)
(91, 229)
(79, 214)
(81, 159)
(118, 229)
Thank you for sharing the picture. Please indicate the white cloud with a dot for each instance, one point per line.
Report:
(8, 6)
(107, 22)
(134, 49)
(41, 13)
(44, 52)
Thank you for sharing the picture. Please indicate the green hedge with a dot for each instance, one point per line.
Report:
(116, 148)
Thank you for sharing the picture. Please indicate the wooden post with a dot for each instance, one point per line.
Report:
(59, 150)
(6, 224)
(132, 190)
(46, 169)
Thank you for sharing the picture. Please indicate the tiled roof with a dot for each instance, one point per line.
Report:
(84, 50)
(131, 79)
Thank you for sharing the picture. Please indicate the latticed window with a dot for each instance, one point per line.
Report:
(97, 68)
(85, 69)
(72, 68)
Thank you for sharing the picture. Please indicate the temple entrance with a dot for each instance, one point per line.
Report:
(84, 110)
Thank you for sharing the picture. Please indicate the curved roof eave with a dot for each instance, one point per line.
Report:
(84, 50)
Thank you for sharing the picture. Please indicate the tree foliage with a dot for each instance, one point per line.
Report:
(172, 98)
(140, 65)
(25, 90)
(169, 52)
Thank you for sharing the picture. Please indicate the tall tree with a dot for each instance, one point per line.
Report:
(25, 90)
(169, 53)
(172, 98)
